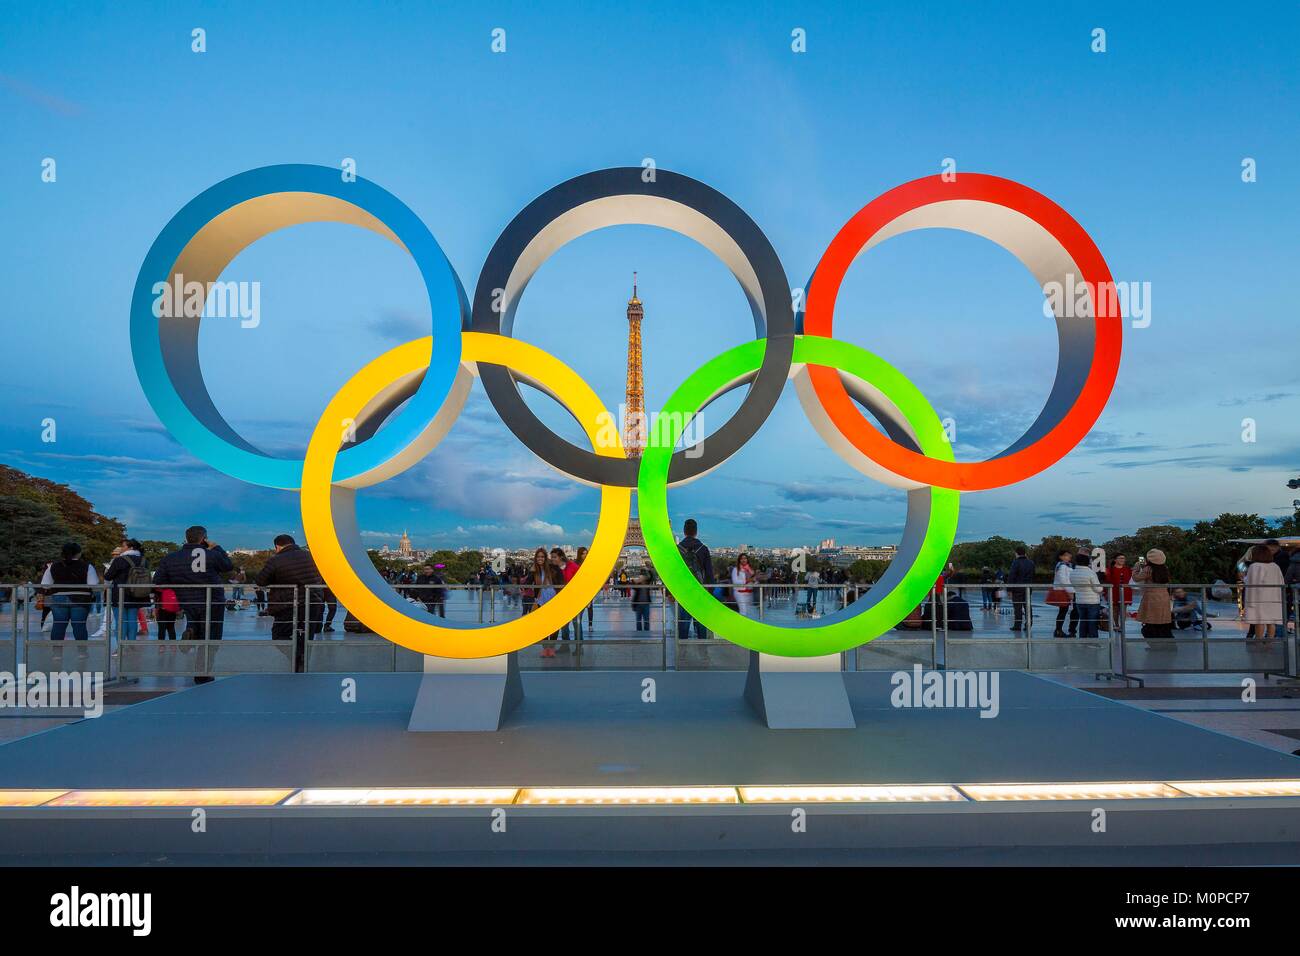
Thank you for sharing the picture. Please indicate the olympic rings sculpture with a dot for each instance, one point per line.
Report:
(426, 382)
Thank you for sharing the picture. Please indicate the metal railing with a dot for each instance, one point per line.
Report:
(587, 646)
(226, 634)
(1114, 643)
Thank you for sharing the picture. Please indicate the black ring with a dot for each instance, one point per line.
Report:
(686, 206)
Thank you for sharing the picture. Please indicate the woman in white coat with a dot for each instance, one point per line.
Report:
(1264, 585)
(1061, 582)
(742, 580)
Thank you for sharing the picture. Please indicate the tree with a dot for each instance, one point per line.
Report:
(1170, 539)
(98, 535)
(155, 551)
(31, 534)
(384, 564)
(1049, 549)
(1287, 527)
(865, 571)
(250, 564)
(1209, 553)
(461, 565)
(994, 553)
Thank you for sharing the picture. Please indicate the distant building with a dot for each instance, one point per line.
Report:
(634, 417)
(405, 552)
(843, 557)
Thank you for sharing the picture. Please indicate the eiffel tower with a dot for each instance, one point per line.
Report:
(634, 423)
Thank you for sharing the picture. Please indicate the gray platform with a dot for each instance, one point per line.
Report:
(594, 730)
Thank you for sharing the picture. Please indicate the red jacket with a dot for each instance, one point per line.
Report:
(1118, 579)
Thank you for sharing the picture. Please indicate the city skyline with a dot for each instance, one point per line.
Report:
(489, 547)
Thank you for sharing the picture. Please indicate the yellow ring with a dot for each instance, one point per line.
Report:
(318, 505)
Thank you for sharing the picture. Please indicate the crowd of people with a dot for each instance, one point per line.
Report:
(1091, 594)
(531, 586)
(199, 583)
(1088, 593)
(190, 582)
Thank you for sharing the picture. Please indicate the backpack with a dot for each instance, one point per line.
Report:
(692, 558)
(139, 583)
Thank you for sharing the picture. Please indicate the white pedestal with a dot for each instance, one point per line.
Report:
(466, 695)
(799, 693)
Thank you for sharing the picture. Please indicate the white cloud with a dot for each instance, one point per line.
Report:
(534, 526)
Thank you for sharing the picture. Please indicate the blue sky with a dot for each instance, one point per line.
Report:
(1143, 144)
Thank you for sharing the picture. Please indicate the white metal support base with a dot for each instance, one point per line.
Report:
(466, 695)
(799, 693)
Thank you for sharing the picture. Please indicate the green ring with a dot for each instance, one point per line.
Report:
(810, 640)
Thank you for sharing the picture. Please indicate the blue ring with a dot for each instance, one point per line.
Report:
(188, 411)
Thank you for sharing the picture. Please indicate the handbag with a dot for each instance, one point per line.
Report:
(914, 619)
(1059, 597)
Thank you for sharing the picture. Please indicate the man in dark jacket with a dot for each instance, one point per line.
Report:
(699, 562)
(199, 562)
(1019, 578)
(954, 612)
(1281, 557)
(641, 598)
(431, 590)
(295, 592)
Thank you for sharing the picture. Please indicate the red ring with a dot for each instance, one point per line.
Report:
(996, 472)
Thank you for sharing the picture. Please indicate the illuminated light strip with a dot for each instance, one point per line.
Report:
(1238, 788)
(852, 794)
(1069, 791)
(28, 798)
(625, 796)
(406, 797)
(648, 796)
(171, 798)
